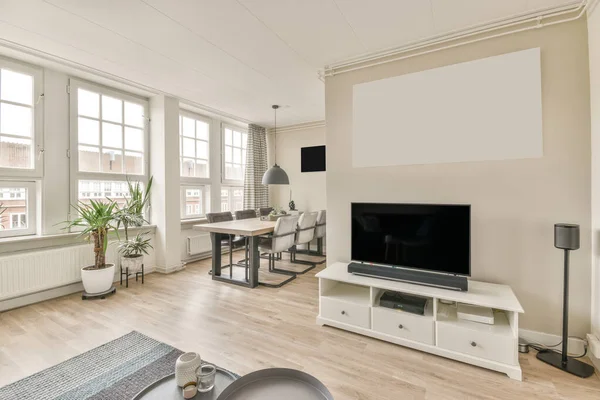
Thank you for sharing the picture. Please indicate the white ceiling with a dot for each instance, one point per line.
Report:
(237, 56)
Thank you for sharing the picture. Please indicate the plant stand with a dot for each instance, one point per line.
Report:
(102, 295)
(126, 273)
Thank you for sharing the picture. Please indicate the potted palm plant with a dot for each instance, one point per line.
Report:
(96, 220)
(132, 215)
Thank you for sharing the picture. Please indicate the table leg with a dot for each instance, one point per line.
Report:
(216, 253)
(254, 261)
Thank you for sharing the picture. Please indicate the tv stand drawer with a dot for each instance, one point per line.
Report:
(403, 325)
(346, 312)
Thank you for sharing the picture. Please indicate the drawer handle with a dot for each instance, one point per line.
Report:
(343, 312)
(473, 344)
(401, 326)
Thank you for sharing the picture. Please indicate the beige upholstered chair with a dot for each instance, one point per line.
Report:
(305, 232)
(281, 240)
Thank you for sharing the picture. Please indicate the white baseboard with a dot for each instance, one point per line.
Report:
(575, 346)
(49, 294)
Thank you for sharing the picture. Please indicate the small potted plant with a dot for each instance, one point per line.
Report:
(132, 252)
(97, 220)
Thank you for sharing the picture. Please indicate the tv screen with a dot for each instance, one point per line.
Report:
(423, 236)
(313, 159)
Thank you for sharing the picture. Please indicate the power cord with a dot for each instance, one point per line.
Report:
(541, 348)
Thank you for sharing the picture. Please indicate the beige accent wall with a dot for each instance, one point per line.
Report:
(308, 188)
(514, 203)
(594, 53)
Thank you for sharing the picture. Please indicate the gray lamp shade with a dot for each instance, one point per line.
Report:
(275, 176)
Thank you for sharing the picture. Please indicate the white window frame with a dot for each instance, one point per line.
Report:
(206, 200)
(32, 207)
(76, 175)
(224, 181)
(192, 179)
(37, 134)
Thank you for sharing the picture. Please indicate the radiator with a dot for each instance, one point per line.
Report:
(35, 271)
(198, 244)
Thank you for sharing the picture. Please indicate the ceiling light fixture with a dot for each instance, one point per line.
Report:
(275, 175)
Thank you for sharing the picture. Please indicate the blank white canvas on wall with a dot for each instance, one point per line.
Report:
(488, 109)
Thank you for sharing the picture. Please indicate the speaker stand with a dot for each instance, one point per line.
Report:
(562, 361)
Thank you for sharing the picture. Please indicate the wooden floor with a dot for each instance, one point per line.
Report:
(248, 329)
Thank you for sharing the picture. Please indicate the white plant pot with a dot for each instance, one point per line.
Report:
(133, 263)
(98, 280)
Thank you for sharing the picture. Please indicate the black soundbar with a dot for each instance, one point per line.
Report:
(410, 275)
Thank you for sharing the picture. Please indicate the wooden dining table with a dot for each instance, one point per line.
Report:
(251, 228)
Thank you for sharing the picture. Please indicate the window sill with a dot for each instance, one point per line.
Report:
(36, 242)
(189, 223)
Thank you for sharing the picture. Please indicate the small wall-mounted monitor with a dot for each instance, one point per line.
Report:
(313, 159)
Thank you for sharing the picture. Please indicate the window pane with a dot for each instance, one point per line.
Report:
(89, 159)
(112, 135)
(101, 190)
(134, 114)
(188, 127)
(237, 139)
(188, 147)
(88, 131)
(193, 201)
(237, 155)
(134, 139)
(112, 160)
(228, 154)
(228, 138)
(88, 103)
(15, 207)
(15, 153)
(229, 171)
(237, 172)
(134, 162)
(244, 140)
(187, 167)
(201, 149)
(112, 109)
(202, 130)
(16, 87)
(201, 169)
(15, 120)
(244, 157)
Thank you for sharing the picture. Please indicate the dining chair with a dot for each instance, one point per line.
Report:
(231, 241)
(320, 232)
(239, 215)
(305, 232)
(264, 211)
(280, 240)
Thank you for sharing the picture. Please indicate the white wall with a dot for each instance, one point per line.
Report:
(514, 203)
(308, 188)
(594, 54)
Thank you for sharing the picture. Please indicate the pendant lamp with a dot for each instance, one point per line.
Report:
(275, 175)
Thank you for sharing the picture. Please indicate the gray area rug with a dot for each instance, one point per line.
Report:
(117, 370)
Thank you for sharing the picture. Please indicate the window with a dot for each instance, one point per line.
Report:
(194, 151)
(235, 141)
(232, 198)
(20, 119)
(195, 201)
(110, 135)
(17, 208)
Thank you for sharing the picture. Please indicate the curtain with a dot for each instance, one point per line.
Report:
(256, 194)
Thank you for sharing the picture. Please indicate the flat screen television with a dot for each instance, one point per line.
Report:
(312, 159)
(430, 237)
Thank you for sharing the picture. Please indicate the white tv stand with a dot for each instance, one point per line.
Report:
(351, 302)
